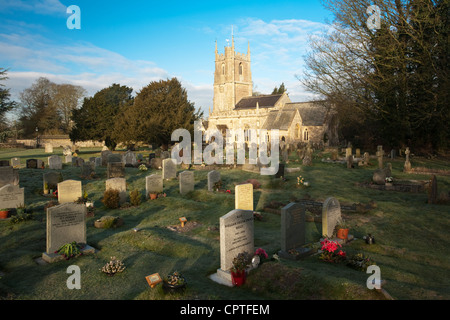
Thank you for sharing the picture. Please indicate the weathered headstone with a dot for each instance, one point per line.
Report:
(69, 191)
(129, 158)
(48, 148)
(156, 163)
(331, 214)
(358, 153)
(87, 169)
(32, 164)
(114, 157)
(104, 156)
(54, 162)
(15, 162)
(66, 223)
(348, 152)
(115, 170)
(11, 197)
(119, 184)
(153, 184)
(236, 236)
(186, 182)
(307, 159)
(50, 180)
(98, 162)
(380, 154)
(407, 166)
(4, 163)
(68, 158)
(67, 150)
(213, 178)
(366, 158)
(9, 175)
(293, 231)
(169, 169)
(244, 197)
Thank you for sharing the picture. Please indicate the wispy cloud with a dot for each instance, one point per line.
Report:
(42, 7)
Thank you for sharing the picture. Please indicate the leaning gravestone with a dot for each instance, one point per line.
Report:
(331, 214)
(213, 178)
(119, 184)
(186, 182)
(51, 180)
(236, 236)
(54, 162)
(15, 162)
(169, 169)
(153, 184)
(66, 223)
(115, 170)
(69, 191)
(9, 175)
(293, 232)
(244, 196)
(11, 197)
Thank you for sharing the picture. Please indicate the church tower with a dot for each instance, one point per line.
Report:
(232, 78)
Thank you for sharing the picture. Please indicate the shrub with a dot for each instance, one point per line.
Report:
(111, 199)
(135, 197)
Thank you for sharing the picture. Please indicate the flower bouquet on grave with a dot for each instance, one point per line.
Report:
(112, 267)
(142, 167)
(262, 255)
(330, 251)
(238, 270)
(174, 282)
(70, 250)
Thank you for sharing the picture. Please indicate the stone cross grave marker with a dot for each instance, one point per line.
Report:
(244, 196)
(69, 191)
(236, 236)
(169, 169)
(213, 178)
(119, 184)
(186, 182)
(331, 214)
(11, 196)
(407, 165)
(153, 184)
(54, 162)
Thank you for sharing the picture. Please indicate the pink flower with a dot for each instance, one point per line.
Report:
(261, 252)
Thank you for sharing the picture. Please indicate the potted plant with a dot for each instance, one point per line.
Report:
(342, 230)
(4, 213)
(174, 282)
(46, 190)
(238, 270)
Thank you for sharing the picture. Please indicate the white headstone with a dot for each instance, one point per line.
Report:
(69, 191)
(153, 184)
(119, 184)
(244, 196)
(331, 214)
(11, 197)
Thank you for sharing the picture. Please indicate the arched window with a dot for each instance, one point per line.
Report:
(223, 68)
(241, 69)
(305, 135)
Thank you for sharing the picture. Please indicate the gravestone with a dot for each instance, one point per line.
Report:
(380, 154)
(169, 169)
(98, 162)
(50, 180)
(156, 163)
(32, 164)
(407, 165)
(129, 158)
(348, 152)
(40, 164)
(69, 191)
(4, 163)
(15, 162)
(186, 182)
(104, 156)
(68, 158)
(244, 197)
(331, 214)
(115, 170)
(66, 223)
(280, 172)
(87, 169)
(9, 175)
(153, 184)
(119, 184)
(358, 153)
(48, 148)
(334, 154)
(213, 178)
(307, 159)
(366, 158)
(236, 236)
(114, 157)
(54, 162)
(293, 232)
(350, 162)
(11, 197)
(67, 150)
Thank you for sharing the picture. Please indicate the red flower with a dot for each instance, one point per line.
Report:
(228, 191)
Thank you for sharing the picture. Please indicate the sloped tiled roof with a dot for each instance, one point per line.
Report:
(263, 101)
(312, 114)
(279, 119)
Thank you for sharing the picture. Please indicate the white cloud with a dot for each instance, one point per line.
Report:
(43, 7)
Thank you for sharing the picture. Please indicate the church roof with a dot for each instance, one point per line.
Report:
(312, 114)
(279, 119)
(267, 101)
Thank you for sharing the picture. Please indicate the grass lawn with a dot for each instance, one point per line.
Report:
(411, 249)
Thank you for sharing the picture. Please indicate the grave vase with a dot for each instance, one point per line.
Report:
(153, 196)
(342, 234)
(238, 278)
(4, 214)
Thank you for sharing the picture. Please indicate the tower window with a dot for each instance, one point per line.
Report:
(241, 69)
(223, 69)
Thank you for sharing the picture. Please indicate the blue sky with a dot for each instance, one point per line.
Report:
(135, 42)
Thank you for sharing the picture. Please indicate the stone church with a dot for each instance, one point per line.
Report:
(236, 107)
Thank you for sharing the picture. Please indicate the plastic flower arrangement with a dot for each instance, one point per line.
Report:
(330, 251)
(261, 253)
(300, 180)
(142, 167)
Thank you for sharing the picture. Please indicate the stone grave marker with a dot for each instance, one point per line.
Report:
(118, 184)
(67, 150)
(9, 175)
(186, 182)
(4, 163)
(68, 158)
(54, 162)
(87, 169)
(153, 184)
(331, 214)
(114, 157)
(213, 178)
(280, 172)
(366, 158)
(169, 169)
(236, 236)
(348, 152)
(50, 180)
(48, 148)
(104, 156)
(32, 164)
(380, 154)
(69, 191)
(358, 153)
(66, 223)
(115, 170)
(244, 197)
(129, 158)
(11, 197)
(98, 162)
(407, 165)
(15, 162)
(293, 232)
